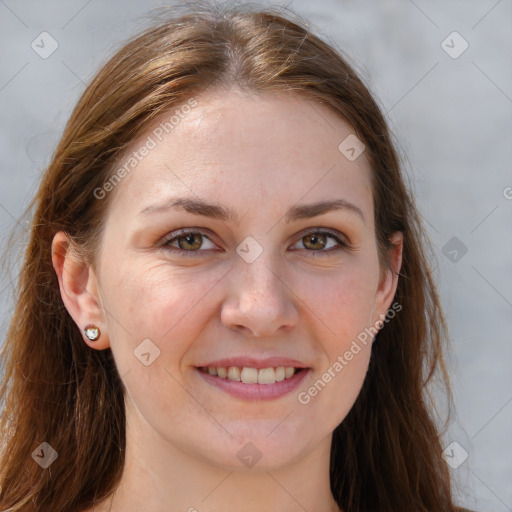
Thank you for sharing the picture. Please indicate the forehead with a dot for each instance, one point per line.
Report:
(242, 147)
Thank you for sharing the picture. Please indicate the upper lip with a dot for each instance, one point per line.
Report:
(253, 362)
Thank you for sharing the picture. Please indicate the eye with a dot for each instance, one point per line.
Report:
(186, 242)
(318, 241)
(190, 242)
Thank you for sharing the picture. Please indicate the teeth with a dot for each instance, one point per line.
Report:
(280, 373)
(267, 376)
(249, 375)
(253, 375)
(288, 372)
(234, 373)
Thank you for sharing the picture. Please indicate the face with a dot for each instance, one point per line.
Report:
(243, 266)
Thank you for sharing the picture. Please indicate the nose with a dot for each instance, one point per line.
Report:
(259, 302)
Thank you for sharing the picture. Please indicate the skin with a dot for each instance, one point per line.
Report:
(258, 155)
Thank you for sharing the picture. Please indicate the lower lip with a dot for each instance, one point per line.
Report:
(255, 391)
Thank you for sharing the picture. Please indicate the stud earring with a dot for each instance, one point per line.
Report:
(92, 332)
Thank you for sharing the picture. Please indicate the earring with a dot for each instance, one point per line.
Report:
(92, 332)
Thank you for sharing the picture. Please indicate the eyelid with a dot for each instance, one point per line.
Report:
(338, 236)
(183, 232)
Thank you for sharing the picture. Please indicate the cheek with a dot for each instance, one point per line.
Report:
(155, 315)
(166, 306)
(341, 381)
(346, 311)
(343, 300)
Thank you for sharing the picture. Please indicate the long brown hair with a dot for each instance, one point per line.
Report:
(386, 454)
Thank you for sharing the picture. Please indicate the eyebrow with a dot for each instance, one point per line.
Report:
(216, 211)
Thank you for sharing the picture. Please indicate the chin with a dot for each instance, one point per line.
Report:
(260, 446)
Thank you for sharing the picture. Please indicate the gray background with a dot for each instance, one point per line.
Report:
(452, 119)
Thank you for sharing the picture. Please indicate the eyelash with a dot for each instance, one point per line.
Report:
(181, 233)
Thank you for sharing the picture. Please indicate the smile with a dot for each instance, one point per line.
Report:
(254, 384)
(252, 375)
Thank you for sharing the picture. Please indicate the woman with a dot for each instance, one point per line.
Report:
(225, 302)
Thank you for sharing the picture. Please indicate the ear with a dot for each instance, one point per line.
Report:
(389, 278)
(79, 289)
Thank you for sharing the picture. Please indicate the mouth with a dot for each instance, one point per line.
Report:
(251, 383)
(250, 375)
